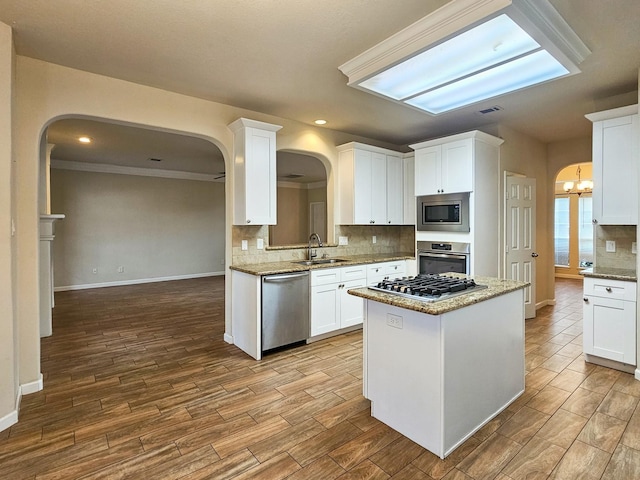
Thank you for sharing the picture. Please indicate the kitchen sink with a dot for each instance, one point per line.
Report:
(320, 261)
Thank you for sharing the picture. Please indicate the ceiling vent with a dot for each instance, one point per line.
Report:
(485, 111)
(155, 159)
(292, 176)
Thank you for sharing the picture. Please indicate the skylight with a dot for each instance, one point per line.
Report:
(494, 57)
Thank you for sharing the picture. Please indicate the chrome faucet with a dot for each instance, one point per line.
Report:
(311, 254)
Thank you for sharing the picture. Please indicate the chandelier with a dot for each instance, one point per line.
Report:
(583, 186)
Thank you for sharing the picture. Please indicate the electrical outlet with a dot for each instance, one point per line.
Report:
(343, 240)
(260, 244)
(120, 269)
(374, 239)
(610, 246)
(394, 321)
(245, 245)
(95, 270)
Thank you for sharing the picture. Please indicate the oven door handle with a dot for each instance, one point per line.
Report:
(443, 255)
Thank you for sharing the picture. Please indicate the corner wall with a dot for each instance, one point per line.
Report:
(9, 386)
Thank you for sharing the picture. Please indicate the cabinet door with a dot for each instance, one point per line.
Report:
(457, 166)
(609, 329)
(351, 307)
(378, 188)
(395, 190)
(325, 305)
(615, 158)
(260, 177)
(427, 170)
(362, 171)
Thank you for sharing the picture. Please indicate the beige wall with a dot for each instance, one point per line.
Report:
(293, 217)
(527, 156)
(8, 327)
(153, 227)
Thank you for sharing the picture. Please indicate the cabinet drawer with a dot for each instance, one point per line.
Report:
(325, 276)
(354, 272)
(605, 288)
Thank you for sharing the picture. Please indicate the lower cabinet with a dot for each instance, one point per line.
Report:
(609, 320)
(377, 272)
(332, 308)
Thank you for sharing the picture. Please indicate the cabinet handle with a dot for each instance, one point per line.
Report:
(608, 289)
(586, 300)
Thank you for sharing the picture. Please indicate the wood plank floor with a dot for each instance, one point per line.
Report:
(139, 384)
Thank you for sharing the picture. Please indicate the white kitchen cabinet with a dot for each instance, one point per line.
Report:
(332, 308)
(609, 321)
(370, 185)
(615, 166)
(254, 172)
(409, 196)
(376, 272)
(444, 168)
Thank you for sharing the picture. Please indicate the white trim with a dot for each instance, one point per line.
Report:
(228, 338)
(32, 387)
(124, 170)
(637, 374)
(136, 281)
(301, 186)
(546, 302)
(613, 113)
(8, 420)
(573, 276)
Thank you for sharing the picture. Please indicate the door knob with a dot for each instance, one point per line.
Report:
(534, 255)
(586, 300)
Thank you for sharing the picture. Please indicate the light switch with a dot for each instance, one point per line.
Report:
(634, 247)
(260, 244)
(343, 240)
(610, 246)
(245, 245)
(374, 239)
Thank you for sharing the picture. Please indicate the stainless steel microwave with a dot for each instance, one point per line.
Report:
(443, 213)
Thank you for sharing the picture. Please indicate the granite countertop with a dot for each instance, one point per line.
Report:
(496, 287)
(275, 268)
(611, 273)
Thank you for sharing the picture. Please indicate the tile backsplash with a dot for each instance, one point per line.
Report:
(623, 235)
(389, 239)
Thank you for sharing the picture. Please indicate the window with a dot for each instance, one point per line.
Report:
(562, 231)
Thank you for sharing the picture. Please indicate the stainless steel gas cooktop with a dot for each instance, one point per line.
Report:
(427, 287)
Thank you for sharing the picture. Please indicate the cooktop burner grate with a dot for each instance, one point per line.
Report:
(429, 287)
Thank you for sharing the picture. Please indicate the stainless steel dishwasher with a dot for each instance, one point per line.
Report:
(285, 309)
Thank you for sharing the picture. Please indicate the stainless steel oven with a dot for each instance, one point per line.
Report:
(443, 257)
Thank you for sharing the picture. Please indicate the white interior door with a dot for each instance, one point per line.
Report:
(520, 229)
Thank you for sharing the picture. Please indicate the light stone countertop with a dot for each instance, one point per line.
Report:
(611, 273)
(275, 268)
(496, 287)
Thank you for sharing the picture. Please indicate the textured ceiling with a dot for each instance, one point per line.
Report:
(281, 57)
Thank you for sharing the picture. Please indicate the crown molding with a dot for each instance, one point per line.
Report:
(124, 170)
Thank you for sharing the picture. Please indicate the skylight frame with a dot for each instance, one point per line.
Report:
(538, 18)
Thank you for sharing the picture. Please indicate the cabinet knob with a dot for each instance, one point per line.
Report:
(248, 221)
(586, 300)
(594, 221)
(608, 289)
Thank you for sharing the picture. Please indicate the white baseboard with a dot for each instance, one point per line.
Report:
(32, 387)
(228, 338)
(9, 419)
(136, 281)
(544, 303)
(637, 374)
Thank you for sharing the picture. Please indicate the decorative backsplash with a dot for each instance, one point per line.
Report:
(623, 235)
(389, 239)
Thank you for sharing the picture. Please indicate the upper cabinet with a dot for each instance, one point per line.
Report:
(615, 166)
(370, 185)
(445, 168)
(449, 165)
(254, 172)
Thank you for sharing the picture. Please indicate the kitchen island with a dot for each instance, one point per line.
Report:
(437, 372)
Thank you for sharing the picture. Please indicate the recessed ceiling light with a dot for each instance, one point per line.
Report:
(460, 55)
(320, 122)
(84, 139)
